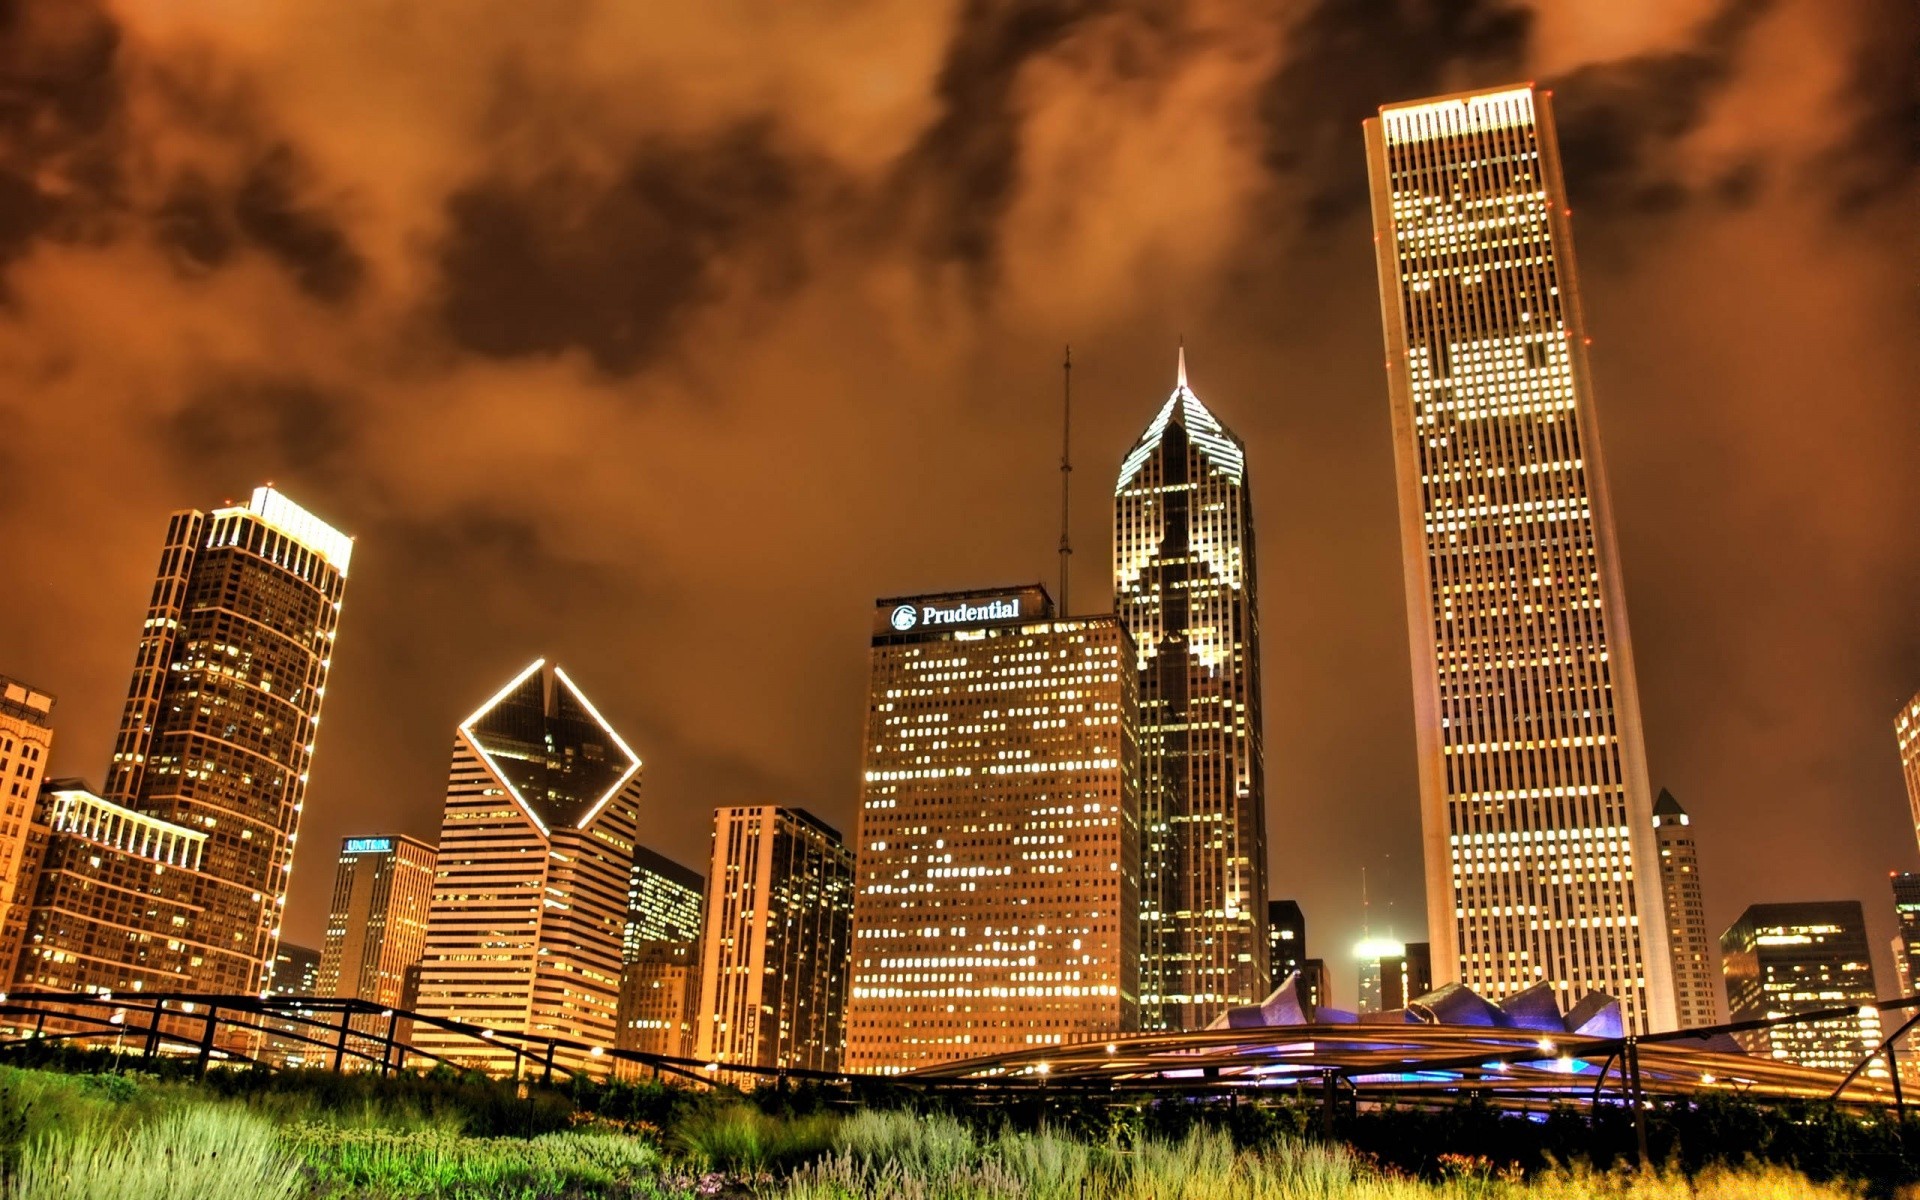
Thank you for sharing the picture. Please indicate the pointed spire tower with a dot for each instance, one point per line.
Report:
(1183, 581)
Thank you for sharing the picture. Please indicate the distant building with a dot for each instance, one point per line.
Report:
(220, 725)
(296, 971)
(1316, 982)
(1286, 938)
(774, 949)
(996, 905)
(1393, 973)
(1693, 974)
(1906, 732)
(529, 911)
(1789, 958)
(663, 902)
(1540, 857)
(658, 996)
(26, 742)
(1185, 587)
(1906, 943)
(377, 922)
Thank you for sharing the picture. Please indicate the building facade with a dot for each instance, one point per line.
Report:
(1789, 958)
(1906, 943)
(1286, 939)
(1393, 974)
(223, 713)
(659, 992)
(1535, 805)
(296, 971)
(997, 875)
(1184, 587)
(773, 950)
(529, 909)
(26, 743)
(1693, 973)
(116, 898)
(663, 902)
(377, 921)
(1906, 732)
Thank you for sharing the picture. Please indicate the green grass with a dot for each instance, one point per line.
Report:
(134, 1137)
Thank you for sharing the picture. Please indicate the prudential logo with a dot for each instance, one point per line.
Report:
(905, 617)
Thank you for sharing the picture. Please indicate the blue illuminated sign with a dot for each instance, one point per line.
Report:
(368, 845)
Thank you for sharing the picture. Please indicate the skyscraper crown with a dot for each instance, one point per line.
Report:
(552, 749)
(1217, 444)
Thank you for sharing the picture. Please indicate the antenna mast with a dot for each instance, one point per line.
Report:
(1066, 478)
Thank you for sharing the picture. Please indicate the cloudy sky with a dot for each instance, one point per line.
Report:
(661, 339)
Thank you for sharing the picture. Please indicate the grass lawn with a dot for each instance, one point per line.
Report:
(133, 1137)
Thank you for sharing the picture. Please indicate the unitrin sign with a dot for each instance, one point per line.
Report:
(369, 845)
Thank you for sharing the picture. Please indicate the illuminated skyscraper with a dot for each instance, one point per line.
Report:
(530, 892)
(377, 923)
(1906, 943)
(1788, 958)
(773, 953)
(1906, 730)
(1392, 973)
(26, 740)
(1538, 818)
(1693, 974)
(1183, 584)
(217, 737)
(1286, 939)
(998, 854)
(663, 902)
(296, 971)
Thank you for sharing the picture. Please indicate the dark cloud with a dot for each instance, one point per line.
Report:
(270, 210)
(1879, 156)
(1346, 58)
(607, 265)
(60, 100)
(963, 172)
(260, 426)
(1621, 121)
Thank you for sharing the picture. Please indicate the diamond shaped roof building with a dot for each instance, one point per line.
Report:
(530, 895)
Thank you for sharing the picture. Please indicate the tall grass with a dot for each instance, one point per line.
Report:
(441, 1163)
(743, 1139)
(199, 1153)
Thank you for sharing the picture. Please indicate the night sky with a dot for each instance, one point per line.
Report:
(662, 339)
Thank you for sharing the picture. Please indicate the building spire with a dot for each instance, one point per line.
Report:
(1066, 479)
(1182, 382)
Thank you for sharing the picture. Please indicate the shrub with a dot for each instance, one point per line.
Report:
(744, 1139)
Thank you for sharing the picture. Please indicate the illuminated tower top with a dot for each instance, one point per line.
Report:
(556, 755)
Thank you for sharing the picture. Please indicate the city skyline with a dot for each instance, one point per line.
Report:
(1764, 568)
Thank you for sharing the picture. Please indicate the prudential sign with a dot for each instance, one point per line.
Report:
(907, 617)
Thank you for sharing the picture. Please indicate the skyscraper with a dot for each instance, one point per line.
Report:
(1906, 731)
(1693, 974)
(26, 741)
(115, 898)
(1286, 939)
(997, 870)
(223, 713)
(296, 971)
(377, 923)
(1393, 973)
(658, 995)
(663, 901)
(529, 903)
(773, 954)
(1184, 586)
(1789, 958)
(1538, 819)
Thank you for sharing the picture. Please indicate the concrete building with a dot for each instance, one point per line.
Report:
(773, 953)
(377, 921)
(996, 905)
(1536, 810)
(26, 745)
(1693, 973)
(659, 993)
(1790, 958)
(529, 907)
(1185, 587)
